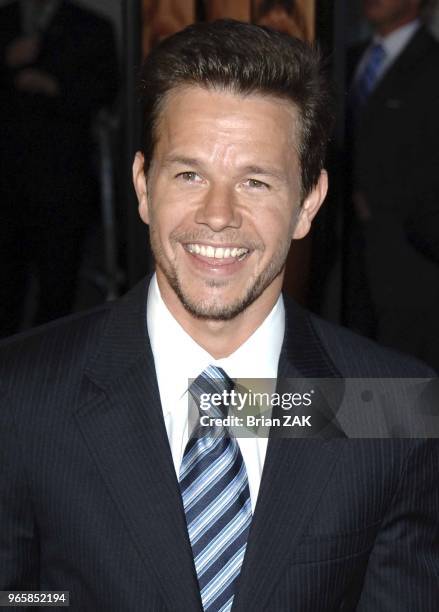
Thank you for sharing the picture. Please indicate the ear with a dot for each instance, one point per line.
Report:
(310, 206)
(139, 181)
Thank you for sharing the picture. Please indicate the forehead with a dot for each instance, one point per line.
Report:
(195, 117)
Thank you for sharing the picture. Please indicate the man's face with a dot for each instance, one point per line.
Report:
(222, 199)
(388, 12)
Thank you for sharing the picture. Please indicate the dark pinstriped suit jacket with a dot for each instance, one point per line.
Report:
(89, 500)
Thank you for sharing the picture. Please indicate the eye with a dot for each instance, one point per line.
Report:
(255, 184)
(189, 177)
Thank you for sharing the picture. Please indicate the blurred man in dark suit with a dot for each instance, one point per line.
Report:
(394, 103)
(58, 67)
(106, 488)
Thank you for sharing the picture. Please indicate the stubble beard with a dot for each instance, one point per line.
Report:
(213, 309)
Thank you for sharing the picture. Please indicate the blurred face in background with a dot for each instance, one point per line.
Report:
(388, 15)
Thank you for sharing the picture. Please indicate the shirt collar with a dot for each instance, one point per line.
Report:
(178, 357)
(395, 42)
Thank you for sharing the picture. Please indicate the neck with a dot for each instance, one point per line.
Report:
(222, 338)
(384, 29)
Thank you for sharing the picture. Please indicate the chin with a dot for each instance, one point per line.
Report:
(214, 309)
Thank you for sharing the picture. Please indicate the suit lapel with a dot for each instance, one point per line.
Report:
(124, 429)
(294, 476)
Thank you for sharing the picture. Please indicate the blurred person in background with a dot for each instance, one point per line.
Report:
(58, 67)
(394, 122)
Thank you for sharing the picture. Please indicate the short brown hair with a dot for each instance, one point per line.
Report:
(244, 59)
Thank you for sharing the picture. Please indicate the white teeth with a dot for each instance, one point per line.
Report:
(218, 252)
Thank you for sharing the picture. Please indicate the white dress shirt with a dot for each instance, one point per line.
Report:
(178, 358)
(393, 44)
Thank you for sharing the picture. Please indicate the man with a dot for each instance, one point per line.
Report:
(105, 490)
(58, 68)
(394, 100)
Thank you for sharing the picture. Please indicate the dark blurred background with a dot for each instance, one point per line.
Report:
(70, 237)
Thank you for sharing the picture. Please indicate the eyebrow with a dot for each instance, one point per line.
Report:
(192, 161)
(266, 171)
(184, 161)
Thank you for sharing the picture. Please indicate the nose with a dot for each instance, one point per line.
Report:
(219, 209)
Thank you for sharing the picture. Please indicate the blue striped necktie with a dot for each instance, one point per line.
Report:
(216, 499)
(368, 77)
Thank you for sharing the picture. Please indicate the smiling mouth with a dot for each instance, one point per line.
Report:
(217, 253)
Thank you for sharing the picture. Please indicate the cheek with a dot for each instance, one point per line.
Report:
(277, 228)
(173, 208)
(166, 214)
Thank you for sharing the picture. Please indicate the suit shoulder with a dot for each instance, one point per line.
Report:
(53, 351)
(357, 356)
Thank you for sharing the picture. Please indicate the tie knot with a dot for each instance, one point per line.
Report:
(208, 389)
